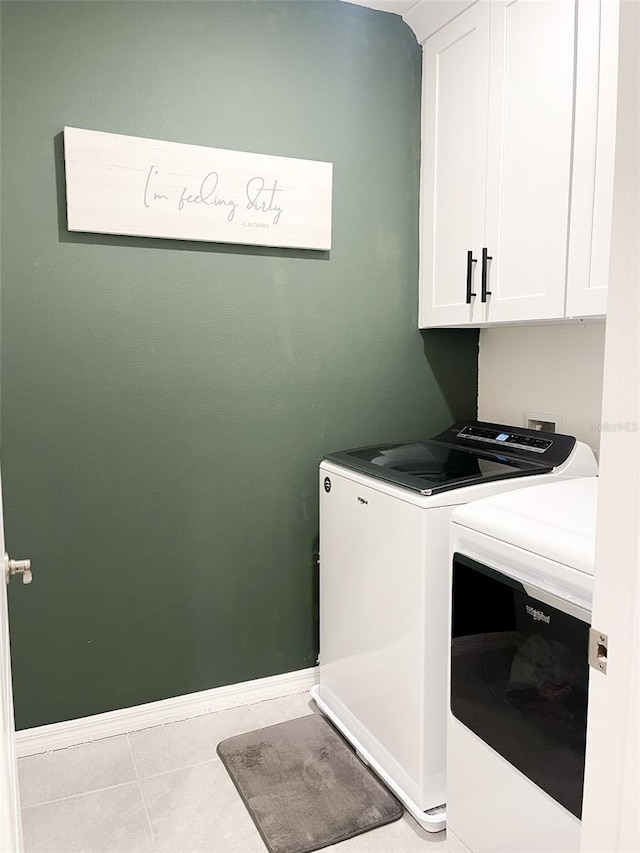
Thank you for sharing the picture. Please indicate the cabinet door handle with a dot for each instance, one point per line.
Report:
(485, 257)
(470, 261)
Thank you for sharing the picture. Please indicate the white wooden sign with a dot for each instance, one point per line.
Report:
(150, 188)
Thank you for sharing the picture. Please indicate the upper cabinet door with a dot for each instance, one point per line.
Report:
(593, 158)
(529, 158)
(454, 149)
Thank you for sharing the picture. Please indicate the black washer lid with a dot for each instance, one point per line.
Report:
(467, 453)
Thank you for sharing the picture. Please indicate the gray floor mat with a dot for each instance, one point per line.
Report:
(304, 787)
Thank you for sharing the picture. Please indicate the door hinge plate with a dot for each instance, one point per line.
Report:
(598, 650)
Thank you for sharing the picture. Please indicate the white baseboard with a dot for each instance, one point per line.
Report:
(85, 729)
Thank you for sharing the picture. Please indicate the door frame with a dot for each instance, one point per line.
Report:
(11, 826)
(610, 820)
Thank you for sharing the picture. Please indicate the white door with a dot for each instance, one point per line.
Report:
(11, 829)
(529, 159)
(455, 87)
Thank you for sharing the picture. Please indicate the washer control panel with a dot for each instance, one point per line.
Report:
(497, 437)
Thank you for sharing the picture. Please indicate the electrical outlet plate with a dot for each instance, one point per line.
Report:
(547, 421)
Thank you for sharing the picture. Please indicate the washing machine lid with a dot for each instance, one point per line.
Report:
(555, 520)
(466, 453)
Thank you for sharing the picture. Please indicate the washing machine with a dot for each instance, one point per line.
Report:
(384, 580)
(522, 579)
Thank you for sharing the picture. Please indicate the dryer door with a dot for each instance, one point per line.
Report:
(519, 676)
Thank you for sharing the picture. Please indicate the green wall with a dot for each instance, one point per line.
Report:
(165, 405)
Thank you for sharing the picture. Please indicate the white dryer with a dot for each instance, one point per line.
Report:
(522, 581)
(384, 536)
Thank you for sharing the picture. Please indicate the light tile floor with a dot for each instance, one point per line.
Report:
(165, 789)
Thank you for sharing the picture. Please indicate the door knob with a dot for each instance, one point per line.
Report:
(17, 567)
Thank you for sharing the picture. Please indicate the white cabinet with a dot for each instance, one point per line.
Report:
(593, 158)
(454, 118)
(528, 158)
(509, 185)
